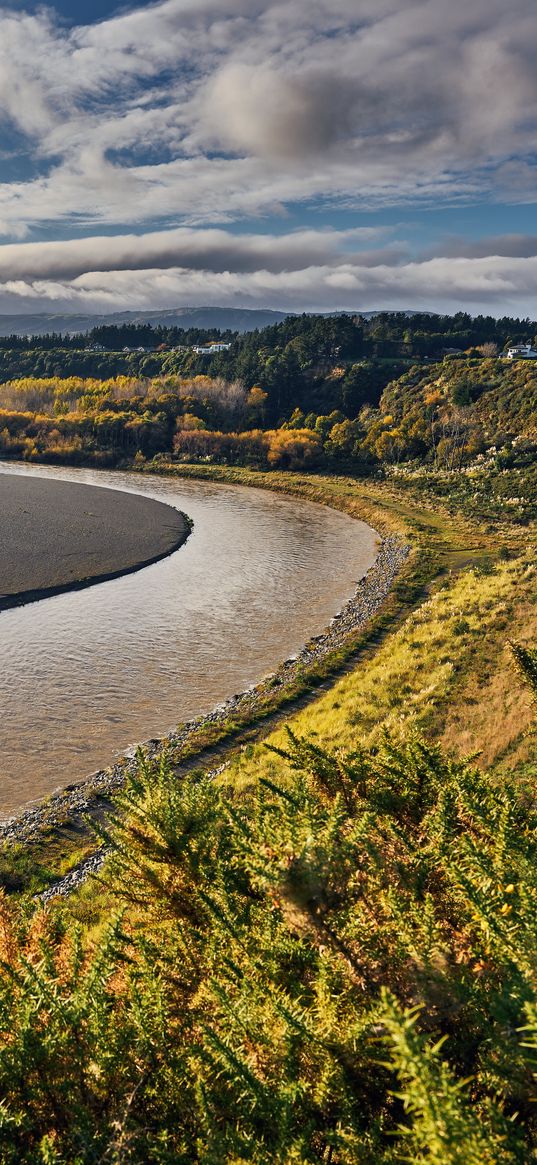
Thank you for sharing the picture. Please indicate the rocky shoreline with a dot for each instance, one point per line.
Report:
(76, 801)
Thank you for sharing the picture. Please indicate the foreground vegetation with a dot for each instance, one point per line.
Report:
(340, 967)
(325, 951)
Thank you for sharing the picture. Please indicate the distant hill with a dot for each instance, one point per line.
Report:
(381, 311)
(236, 319)
(217, 318)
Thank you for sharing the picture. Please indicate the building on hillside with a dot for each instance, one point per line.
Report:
(211, 349)
(521, 352)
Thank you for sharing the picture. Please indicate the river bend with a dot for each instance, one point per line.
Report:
(86, 674)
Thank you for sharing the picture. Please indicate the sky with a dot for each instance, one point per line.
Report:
(311, 155)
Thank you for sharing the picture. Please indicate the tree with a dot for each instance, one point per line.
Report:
(489, 350)
(293, 448)
(256, 405)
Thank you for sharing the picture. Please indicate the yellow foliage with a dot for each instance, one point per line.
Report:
(292, 448)
(432, 397)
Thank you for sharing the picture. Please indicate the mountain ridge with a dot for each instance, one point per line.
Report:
(210, 317)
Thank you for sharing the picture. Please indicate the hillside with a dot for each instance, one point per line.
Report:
(326, 950)
(498, 395)
(221, 318)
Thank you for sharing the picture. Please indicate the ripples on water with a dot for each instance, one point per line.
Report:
(86, 674)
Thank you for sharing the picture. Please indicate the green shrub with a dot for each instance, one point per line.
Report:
(340, 968)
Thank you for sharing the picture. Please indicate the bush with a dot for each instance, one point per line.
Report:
(341, 968)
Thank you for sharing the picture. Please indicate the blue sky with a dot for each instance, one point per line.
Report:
(311, 155)
(74, 11)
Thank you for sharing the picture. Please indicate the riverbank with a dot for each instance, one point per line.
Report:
(59, 839)
(61, 536)
(240, 709)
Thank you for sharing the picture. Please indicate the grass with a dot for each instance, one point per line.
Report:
(423, 673)
(34, 867)
(422, 658)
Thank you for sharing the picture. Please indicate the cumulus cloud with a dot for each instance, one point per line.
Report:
(243, 105)
(181, 114)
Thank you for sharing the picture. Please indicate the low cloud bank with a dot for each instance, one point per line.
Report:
(306, 271)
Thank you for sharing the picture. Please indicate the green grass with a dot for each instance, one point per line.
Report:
(379, 655)
(417, 676)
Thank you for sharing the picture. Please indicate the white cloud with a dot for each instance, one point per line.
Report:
(134, 119)
(336, 282)
(214, 250)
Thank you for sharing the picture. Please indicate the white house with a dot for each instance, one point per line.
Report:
(210, 349)
(521, 352)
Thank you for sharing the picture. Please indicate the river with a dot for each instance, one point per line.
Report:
(85, 675)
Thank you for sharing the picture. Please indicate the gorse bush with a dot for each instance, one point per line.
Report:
(340, 968)
(526, 663)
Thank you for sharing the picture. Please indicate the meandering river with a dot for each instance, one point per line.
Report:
(84, 675)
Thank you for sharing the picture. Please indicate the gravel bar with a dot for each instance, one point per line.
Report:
(56, 536)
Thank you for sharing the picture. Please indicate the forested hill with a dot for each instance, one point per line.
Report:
(382, 334)
(495, 399)
(297, 360)
(335, 392)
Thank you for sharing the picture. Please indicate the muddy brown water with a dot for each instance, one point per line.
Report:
(86, 674)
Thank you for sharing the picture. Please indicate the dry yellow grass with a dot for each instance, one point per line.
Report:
(427, 673)
(492, 712)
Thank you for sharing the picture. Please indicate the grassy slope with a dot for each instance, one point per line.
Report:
(425, 664)
(446, 668)
(443, 666)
